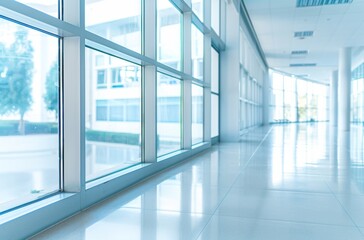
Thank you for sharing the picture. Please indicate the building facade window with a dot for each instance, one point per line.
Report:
(50, 7)
(215, 16)
(117, 21)
(169, 33)
(169, 121)
(198, 8)
(114, 113)
(197, 47)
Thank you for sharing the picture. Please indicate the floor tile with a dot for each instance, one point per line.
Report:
(354, 204)
(182, 198)
(232, 228)
(284, 205)
(274, 179)
(131, 224)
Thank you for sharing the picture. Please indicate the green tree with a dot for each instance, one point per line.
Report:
(51, 96)
(3, 67)
(16, 96)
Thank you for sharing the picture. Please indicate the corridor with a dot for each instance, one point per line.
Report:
(292, 181)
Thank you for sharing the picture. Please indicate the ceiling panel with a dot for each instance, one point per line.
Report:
(334, 27)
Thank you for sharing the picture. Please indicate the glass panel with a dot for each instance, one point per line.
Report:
(117, 21)
(169, 117)
(197, 8)
(278, 114)
(214, 115)
(50, 6)
(197, 114)
(29, 93)
(169, 34)
(289, 84)
(277, 81)
(243, 84)
(242, 47)
(278, 97)
(321, 114)
(290, 105)
(215, 15)
(215, 71)
(242, 115)
(197, 52)
(113, 115)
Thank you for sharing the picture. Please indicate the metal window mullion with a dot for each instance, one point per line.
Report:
(207, 13)
(187, 83)
(207, 89)
(149, 88)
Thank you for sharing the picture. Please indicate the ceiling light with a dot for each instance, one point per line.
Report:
(299, 52)
(303, 34)
(303, 75)
(303, 65)
(315, 3)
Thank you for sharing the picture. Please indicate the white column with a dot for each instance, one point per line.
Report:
(230, 74)
(344, 89)
(74, 101)
(333, 98)
(266, 97)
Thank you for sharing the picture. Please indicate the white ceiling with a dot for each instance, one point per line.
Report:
(334, 26)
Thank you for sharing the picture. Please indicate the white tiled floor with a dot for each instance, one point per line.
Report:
(281, 182)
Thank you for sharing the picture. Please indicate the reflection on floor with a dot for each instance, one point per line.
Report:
(279, 182)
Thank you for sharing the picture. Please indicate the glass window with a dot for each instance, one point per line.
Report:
(278, 97)
(117, 21)
(29, 113)
(169, 123)
(116, 80)
(197, 114)
(169, 34)
(215, 15)
(197, 8)
(215, 71)
(215, 115)
(113, 121)
(50, 6)
(289, 84)
(277, 81)
(101, 110)
(242, 52)
(101, 78)
(197, 52)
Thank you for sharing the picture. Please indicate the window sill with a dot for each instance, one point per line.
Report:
(27, 209)
(115, 175)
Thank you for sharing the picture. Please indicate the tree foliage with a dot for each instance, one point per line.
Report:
(51, 96)
(15, 90)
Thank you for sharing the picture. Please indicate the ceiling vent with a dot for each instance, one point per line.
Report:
(316, 3)
(303, 34)
(299, 52)
(303, 75)
(303, 65)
